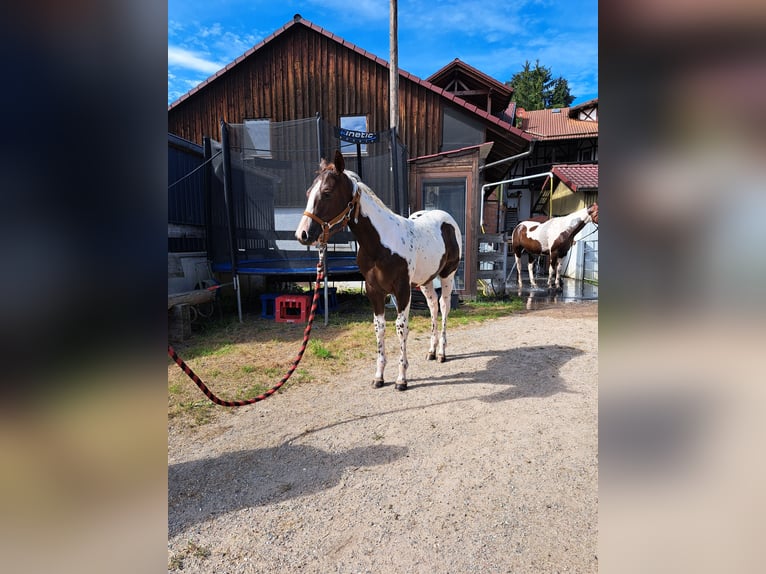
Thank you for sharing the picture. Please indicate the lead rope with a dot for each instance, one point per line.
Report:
(306, 334)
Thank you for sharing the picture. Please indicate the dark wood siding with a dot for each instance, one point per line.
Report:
(300, 73)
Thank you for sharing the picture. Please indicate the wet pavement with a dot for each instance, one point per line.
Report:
(571, 291)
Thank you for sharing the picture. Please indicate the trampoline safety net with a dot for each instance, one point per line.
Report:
(272, 166)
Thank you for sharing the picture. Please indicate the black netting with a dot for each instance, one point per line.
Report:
(272, 166)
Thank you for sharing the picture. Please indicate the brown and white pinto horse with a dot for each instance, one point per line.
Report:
(394, 254)
(553, 238)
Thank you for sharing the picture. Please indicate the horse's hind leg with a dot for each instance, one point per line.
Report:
(445, 304)
(433, 306)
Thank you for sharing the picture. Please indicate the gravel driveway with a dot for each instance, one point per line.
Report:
(487, 463)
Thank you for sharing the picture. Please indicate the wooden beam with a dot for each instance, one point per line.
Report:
(190, 297)
(471, 92)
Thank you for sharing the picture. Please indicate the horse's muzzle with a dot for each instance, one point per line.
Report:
(307, 231)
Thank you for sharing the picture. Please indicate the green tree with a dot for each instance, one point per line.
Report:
(536, 89)
(560, 96)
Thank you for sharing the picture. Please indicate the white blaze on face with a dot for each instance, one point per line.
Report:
(313, 199)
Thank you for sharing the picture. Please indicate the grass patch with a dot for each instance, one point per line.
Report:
(318, 349)
(208, 350)
(242, 360)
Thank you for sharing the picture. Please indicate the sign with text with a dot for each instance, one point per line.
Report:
(354, 136)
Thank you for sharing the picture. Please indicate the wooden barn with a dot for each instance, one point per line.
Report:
(454, 126)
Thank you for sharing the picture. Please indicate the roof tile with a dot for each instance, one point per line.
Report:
(550, 125)
(578, 177)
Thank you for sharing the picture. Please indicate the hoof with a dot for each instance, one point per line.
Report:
(431, 356)
(401, 386)
(377, 383)
(442, 358)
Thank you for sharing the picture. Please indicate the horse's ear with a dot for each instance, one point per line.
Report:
(323, 164)
(339, 162)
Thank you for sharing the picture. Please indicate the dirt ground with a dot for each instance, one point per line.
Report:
(487, 463)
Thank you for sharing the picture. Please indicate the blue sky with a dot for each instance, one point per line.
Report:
(495, 38)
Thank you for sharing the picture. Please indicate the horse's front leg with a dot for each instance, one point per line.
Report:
(554, 273)
(402, 331)
(379, 323)
(551, 271)
(433, 306)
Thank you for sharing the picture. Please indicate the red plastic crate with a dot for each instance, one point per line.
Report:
(292, 308)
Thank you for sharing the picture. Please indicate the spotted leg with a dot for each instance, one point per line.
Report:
(445, 303)
(379, 322)
(402, 331)
(433, 306)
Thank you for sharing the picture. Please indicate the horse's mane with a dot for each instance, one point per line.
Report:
(366, 189)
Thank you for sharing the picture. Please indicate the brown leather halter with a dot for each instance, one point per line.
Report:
(329, 228)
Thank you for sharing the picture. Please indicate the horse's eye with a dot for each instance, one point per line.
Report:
(325, 193)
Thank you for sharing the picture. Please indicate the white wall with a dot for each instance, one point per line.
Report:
(582, 259)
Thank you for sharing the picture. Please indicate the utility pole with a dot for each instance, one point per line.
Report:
(393, 104)
(393, 75)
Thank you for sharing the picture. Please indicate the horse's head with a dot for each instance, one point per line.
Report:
(331, 200)
(593, 212)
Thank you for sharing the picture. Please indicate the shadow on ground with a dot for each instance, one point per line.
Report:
(201, 489)
(519, 372)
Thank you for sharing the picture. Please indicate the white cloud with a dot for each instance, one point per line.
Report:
(191, 61)
(214, 30)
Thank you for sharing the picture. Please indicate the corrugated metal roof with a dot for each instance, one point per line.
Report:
(555, 123)
(577, 177)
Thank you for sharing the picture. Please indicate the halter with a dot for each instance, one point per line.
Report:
(329, 228)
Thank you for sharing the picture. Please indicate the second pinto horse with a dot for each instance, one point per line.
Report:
(553, 238)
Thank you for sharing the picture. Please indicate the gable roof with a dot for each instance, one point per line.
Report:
(553, 124)
(472, 84)
(577, 177)
(298, 20)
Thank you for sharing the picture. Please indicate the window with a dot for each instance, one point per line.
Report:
(257, 139)
(460, 131)
(354, 124)
(589, 154)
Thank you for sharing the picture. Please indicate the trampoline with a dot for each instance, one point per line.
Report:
(337, 267)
